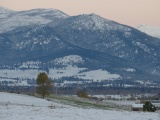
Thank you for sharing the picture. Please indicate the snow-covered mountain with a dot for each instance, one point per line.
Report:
(5, 10)
(150, 30)
(86, 47)
(11, 20)
(93, 22)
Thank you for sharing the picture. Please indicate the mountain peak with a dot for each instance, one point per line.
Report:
(5, 10)
(46, 12)
(150, 30)
(88, 21)
(93, 15)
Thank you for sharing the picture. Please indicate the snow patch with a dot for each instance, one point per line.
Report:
(30, 64)
(143, 47)
(98, 75)
(69, 60)
(129, 69)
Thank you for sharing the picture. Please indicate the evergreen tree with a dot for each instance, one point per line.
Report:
(148, 106)
(43, 84)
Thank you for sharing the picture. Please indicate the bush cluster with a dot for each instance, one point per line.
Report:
(82, 93)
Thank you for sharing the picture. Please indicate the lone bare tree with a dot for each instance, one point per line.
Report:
(43, 84)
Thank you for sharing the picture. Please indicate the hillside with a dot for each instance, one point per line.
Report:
(16, 106)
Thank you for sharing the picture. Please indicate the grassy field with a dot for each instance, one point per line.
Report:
(78, 102)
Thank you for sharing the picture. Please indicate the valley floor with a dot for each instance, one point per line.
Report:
(22, 107)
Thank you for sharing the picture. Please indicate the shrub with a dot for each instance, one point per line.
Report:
(82, 93)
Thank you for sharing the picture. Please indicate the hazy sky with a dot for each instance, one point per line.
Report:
(129, 12)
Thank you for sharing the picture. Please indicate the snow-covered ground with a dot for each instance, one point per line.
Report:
(21, 107)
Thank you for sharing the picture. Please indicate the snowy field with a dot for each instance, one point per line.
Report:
(21, 107)
(20, 75)
(69, 71)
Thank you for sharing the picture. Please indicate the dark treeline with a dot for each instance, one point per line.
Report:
(71, 90)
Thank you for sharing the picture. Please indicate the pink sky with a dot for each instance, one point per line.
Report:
(129, 12)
